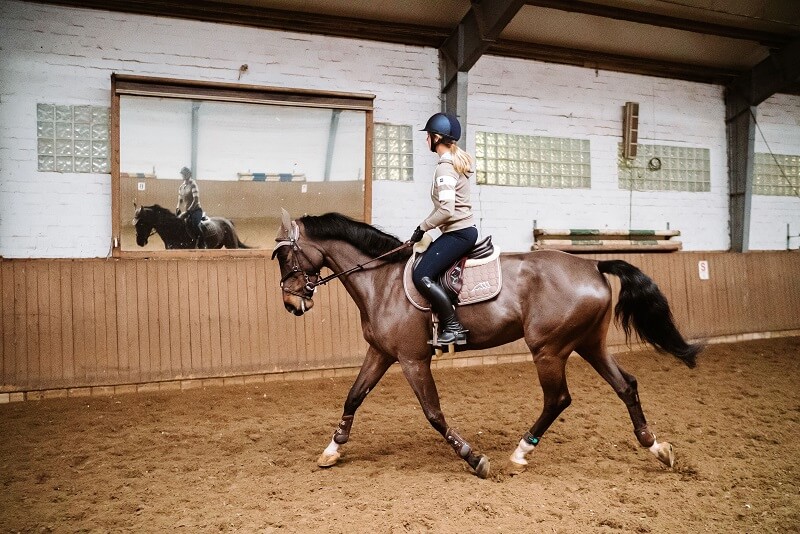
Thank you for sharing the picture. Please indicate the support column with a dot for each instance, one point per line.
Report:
(740, 130)
(454, 100)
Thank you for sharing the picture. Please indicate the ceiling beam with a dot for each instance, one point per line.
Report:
(479, 28)
(777, 73)
(769, 39)
(259, 17)
(408, 34)
(613, 62)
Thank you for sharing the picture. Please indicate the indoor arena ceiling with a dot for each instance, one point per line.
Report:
(701, 40)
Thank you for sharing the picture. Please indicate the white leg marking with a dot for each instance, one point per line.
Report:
(522, 450)
(331, 449)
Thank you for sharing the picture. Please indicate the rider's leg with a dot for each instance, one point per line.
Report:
(444, 252)
(450, 330)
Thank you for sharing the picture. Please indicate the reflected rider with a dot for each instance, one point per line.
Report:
(189, 197)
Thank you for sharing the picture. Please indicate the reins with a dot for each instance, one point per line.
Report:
(311, 285)
(359, 266)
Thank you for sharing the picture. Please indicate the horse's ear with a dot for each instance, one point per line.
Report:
(286, 221)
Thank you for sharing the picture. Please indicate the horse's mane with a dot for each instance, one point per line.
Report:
(366, 238)
(159, 209)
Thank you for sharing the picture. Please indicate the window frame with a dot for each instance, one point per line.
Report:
(147, 86)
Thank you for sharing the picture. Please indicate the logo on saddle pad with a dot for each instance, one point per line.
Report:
(480, 286)
(482, 280)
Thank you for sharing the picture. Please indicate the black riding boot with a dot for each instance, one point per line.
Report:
(450, 330)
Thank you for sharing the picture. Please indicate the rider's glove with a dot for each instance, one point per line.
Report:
(417, 235)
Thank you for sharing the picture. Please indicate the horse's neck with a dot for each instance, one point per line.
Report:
(172, 230)
(360, 284)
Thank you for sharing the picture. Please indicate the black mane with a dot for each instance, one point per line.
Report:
(158, 208)
(366, 238)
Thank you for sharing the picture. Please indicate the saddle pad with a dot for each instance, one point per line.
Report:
(481, 282)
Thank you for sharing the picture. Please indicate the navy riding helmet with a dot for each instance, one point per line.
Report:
(445, 125)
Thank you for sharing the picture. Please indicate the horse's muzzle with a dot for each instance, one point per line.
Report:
(300, 308)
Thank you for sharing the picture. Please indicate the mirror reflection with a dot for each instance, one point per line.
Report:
(209, 174)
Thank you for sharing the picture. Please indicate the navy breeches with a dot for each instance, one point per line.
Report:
(443, 253)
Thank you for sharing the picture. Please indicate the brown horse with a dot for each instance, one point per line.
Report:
(557, 302)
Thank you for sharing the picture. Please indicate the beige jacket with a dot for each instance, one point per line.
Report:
(450, 195)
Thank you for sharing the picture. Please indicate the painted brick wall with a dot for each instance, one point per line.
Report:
(66, 56)
(533, 98)
(778, 129)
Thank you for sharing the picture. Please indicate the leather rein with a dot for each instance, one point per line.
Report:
(314, 279)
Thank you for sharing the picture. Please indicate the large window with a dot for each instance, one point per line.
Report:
(666, 168)
(250, 150)
(532, 161)
(778, 175)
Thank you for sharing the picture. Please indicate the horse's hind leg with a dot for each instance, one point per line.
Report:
(418, 374)
(552, 377)
(372, 370)
(626, 387)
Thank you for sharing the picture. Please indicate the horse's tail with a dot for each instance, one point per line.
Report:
(642, 305)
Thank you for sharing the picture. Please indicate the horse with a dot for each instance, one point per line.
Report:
(218, 232)
(557, 302)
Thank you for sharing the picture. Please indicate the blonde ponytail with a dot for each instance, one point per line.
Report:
(462, 161)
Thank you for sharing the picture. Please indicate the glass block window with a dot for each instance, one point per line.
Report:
(532, 161)
(768, 178)
(666, 168)
(392, 157)
(72, 138)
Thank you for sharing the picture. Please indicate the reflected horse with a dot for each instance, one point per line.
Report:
(218, 232)
(557, 302)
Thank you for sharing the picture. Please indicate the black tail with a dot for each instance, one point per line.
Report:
(239, 244)
(645, 306)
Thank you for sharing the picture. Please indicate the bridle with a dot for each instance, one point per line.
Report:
(314, 279)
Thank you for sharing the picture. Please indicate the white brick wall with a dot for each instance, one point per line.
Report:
(532, 98)
(778, 129)
(66, 56)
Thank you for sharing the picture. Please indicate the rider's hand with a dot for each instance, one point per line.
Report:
(417, 235)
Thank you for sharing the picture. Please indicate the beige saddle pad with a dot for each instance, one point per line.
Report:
(482, 281)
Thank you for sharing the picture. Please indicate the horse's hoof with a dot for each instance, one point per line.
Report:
(665, 453)
(514, 469)
(482, 469)
(328, 460)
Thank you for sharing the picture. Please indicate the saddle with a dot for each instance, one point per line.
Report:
(474, 278)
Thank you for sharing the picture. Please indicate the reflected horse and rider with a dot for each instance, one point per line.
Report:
(188, 228)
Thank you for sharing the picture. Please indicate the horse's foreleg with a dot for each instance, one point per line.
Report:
(626, 387)
(556, 399)
(418, 374)
(374, 367)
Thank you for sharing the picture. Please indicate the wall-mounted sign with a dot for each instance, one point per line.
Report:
(702, 269)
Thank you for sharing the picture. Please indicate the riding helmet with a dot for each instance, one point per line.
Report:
(445, 125)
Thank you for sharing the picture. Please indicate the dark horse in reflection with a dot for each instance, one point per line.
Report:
(556, 302)
(218, 232)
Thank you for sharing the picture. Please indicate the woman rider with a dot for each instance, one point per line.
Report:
(452, 214)
(189, 196)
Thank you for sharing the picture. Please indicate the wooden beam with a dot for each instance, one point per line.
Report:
(613, 62)
(479, 28)
(259, 17)
(655, 19)
(777, 73)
